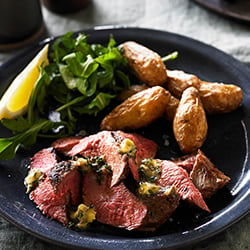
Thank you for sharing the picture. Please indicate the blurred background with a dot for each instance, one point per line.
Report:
(180, 16)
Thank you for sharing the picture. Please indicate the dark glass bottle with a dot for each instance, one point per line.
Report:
(21, 22)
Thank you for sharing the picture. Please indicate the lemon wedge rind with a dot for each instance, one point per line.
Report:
(15, 99)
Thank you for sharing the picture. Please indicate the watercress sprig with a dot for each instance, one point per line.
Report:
(81, 78)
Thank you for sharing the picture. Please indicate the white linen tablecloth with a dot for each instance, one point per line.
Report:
(178, 16)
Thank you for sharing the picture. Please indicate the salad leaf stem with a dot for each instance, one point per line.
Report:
(171, 56)
(9, 146)
(74, 101)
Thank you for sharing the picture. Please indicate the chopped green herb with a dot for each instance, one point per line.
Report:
(149, 170)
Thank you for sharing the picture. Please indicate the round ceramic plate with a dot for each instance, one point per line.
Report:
(227, 146)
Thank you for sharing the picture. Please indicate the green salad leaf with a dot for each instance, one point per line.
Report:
(9, 146)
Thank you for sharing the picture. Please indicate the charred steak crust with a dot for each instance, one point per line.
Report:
(59, 170)
(206, 176)
(160, 207)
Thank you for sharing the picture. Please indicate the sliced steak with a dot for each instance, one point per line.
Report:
(145, 149)
(64, 177)
(206, 176)
(60, 190)
(64, 145)
(51, 204)
(103, 144)
(115, 206)
(89, 143)
(108, 145)
(44, 160)
(171, 174)
(160, 207)
(186, 161)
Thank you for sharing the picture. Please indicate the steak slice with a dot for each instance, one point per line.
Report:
(44, 160)
(206, 176)
(59, 190)
(108, 145)
(103, 144)
(145, 149)
(51, 204)
(160, 207)
(89, 143)
(171, 174)
(64, 145)
(186, 161)
(116, 205)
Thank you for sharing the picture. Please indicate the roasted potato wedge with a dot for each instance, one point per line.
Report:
(190, 123)
(138, 111)
(220, 98)
(172, 107)
(178, 81)
(216, 97)
(146, 64)
(133, 89)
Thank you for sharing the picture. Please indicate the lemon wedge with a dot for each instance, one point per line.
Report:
(16, 97)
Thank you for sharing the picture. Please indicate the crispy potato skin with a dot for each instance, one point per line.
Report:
(220, 98)
(172, 107)
(138, 111)
(190, 123)
(178, 81)
(216, 97)
(145, 63)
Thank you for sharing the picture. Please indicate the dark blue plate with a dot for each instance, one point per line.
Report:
(227, 145)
